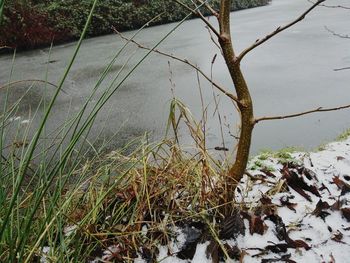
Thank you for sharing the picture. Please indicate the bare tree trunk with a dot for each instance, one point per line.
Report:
(243, 98)
(245, 104)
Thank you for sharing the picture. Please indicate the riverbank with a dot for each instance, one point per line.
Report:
(293, 207)
(33, 24)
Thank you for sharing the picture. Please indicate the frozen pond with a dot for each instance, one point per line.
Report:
(292, 72)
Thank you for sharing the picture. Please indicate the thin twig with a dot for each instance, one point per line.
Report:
(332, 6)
(341, 36)
(217, 110)
(337, 34)
(319, 109)
(213, 40)
(200, 15)
(185, 61)
(279, 29)
(339, 69)
(212, 10)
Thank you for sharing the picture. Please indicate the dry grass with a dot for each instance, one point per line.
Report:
(157, 187)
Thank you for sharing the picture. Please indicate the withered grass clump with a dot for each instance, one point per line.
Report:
(136, 201)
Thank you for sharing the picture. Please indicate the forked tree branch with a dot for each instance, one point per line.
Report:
(200, 15)
(337, 34)
(333, 6)
(185, 61)
(340, 36)
(319, 109)
(212, 10)
(279, 29)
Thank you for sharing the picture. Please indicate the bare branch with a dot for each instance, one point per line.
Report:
(200, 15)
(185, 61)
(279, 29)
(337, 34)
(213, 40)
(339, 69)
(212, 10)
(341, 36)
(320, 109)
(332, 6)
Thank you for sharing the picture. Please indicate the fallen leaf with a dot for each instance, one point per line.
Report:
(284, 258)
(281, 234)
(339, 158)
(298, 183)
(323, 187)
(212, 252)
(344, 187)
(265, 200)
(192, 237)
(267, 207)
(338, 236)
(309, 174)
(285, 202)
(298, 244)
(278, 248)
(319, 210)
(346, 213)
(232, 226)
(256, 224)
(217, 254)
(337, 205)
(281, 231)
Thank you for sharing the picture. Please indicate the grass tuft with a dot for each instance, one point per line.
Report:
(343, 136)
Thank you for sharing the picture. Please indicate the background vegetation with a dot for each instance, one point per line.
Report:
(34, 23)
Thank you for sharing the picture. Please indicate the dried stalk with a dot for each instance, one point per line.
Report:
(185, 61)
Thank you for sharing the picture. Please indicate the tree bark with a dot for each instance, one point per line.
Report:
(245, 104)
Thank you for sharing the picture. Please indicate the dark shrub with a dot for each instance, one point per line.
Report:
(27, 27)
(29, 24)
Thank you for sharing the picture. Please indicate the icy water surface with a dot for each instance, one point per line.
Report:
(292, 72)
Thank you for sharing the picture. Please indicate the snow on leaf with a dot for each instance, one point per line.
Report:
(256, 224)
(298, 184)
(344, 187)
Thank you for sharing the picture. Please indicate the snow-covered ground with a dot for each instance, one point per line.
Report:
(296, 212)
